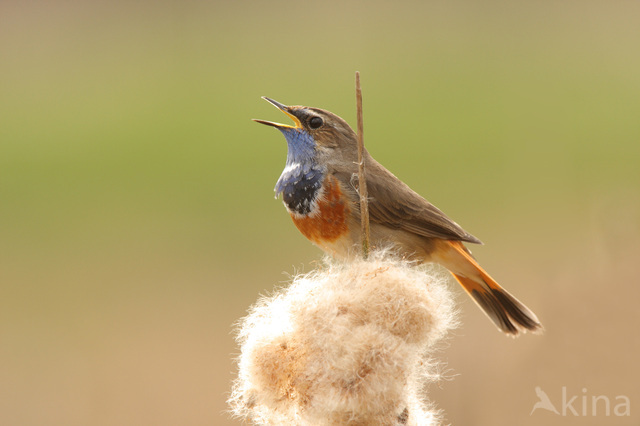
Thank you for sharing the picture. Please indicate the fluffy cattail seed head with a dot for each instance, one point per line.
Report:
(348, 344)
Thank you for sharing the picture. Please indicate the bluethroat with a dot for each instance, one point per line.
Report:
(319, 190)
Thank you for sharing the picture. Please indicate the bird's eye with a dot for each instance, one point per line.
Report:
(315, 122)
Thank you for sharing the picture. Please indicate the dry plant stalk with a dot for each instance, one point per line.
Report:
(362, 176)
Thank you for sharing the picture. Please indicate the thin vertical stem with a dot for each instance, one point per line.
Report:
(362, 177)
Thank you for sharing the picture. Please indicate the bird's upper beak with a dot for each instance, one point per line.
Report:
(286, 110)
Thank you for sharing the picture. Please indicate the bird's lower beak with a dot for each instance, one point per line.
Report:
(284, 109)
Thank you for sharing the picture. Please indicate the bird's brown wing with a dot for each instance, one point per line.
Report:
(392, 203)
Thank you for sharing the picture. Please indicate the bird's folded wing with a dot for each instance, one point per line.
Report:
(392, 203)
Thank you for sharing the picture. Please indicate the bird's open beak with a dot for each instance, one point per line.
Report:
(284, 109)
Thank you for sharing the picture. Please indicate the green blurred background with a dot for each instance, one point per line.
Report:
(137, 219)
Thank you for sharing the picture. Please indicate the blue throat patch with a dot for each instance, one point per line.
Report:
(302, 177)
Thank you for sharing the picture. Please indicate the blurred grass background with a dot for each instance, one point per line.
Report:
(137, 219)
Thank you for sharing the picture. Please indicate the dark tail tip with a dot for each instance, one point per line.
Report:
(507, 312)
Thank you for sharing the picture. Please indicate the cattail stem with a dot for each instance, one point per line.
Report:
(362, 177)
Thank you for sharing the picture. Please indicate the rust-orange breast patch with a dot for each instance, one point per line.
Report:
(329, 220)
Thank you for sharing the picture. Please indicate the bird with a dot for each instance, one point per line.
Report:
(319, 189)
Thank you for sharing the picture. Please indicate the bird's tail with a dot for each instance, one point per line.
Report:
(508, 313)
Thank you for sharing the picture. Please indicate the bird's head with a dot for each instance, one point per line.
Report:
(316, 134)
